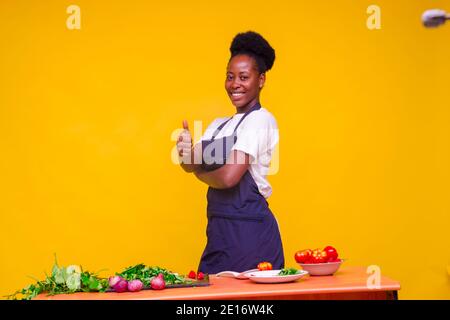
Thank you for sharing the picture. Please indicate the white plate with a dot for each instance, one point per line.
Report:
(271, 276)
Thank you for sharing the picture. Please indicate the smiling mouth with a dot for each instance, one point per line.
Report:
(237, 94)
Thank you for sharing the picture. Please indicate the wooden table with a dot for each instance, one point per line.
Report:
(347, 283)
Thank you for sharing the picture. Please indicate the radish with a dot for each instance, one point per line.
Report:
(121, 286)
(114, 280)
(135, 285)
(158, 282)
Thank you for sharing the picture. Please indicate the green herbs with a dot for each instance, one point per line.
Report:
(73, 279)
(146, 275)
(63, 280)
(90, 282)
(287, 272)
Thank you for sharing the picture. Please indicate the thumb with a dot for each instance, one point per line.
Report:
(185, 125)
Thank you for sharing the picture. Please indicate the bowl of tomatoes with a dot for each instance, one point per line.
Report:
(319, 262)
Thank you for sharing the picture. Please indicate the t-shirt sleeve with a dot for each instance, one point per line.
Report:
(257, 136)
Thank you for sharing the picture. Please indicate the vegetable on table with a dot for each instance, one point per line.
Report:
(328, 254)
(63, 280)
(121, 286)
(264, 266)
(318, 256)
(200, 276)
(303, 256)
(135, 285)
(193, 275)
(158, 283)
(146, 274)
(73, 279)
(332, 254)
(287, 272)
(114, 280)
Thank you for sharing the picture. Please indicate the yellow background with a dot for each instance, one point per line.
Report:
(86, 118)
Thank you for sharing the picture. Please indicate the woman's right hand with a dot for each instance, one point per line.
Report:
(184, 144)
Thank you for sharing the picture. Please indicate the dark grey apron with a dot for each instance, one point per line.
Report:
(242, 230)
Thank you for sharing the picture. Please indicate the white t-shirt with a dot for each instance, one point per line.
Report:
(257, 135)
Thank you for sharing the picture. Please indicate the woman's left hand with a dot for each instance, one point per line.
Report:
(184, 144)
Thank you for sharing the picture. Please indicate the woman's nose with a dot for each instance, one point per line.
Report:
(235, 85)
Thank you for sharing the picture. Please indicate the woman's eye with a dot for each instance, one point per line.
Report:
(229, 77)
(244, 78)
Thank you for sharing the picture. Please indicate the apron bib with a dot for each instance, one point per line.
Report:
(241, 230)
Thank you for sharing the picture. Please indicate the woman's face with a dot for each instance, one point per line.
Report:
(243, 82)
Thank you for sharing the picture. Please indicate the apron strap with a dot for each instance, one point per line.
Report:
(257, 106)
(216, 132)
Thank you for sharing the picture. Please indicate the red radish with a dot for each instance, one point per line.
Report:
(135, 285)
(158, 282)
(114, 280)
(192, 274)
(121, 286)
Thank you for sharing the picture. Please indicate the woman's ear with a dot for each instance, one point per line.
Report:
(262, 80)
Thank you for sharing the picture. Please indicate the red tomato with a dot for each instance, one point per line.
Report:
(200, 276)
(192, 274)
(303, 256)
(319, 256)
(264, 266)
(332, 253)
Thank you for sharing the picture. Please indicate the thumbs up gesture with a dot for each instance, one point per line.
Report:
(184, 144)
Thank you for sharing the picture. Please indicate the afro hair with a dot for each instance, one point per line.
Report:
(254, 45)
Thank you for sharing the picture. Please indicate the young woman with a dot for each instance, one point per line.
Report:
(233, 158)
